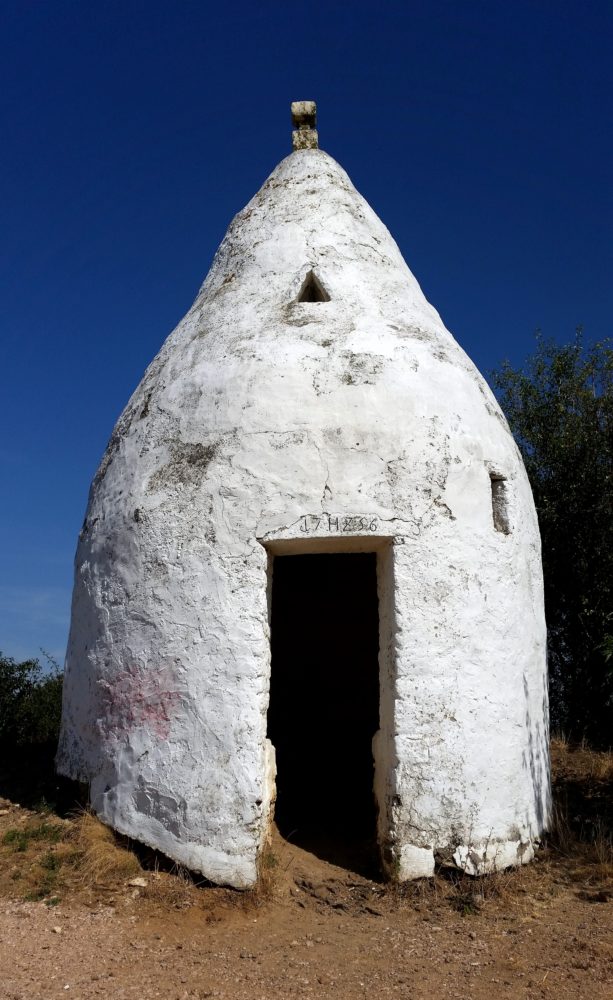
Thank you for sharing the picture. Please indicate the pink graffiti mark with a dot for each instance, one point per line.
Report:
(138, 698)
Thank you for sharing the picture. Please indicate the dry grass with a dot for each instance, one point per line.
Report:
(268, 876)
(561, 835)
(583, 794)
(581, 763)
(170, 890)
(581, 833)
(98, 857)
(467, 895)
(45, 857)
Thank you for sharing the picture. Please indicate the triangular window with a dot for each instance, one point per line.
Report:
(312, 290)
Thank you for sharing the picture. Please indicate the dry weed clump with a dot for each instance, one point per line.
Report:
(98, 857)
(42, 856)
(31, 855)
(582, 825)
(170, 889)
(466, 894)
(580, 762)
(561, 835)
(32, 832)
(268, 877)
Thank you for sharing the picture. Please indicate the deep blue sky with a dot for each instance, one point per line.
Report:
(132, 132)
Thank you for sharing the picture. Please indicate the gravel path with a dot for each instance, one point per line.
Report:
(321, 932)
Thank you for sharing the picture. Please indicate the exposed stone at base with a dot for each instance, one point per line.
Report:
(483, 859)
(493, 856)
(415, 862)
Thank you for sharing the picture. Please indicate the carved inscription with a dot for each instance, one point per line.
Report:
(351, 524)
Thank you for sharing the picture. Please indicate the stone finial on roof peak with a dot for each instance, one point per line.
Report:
(304, 119)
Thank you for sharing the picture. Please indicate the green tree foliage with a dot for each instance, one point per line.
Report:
(560, 409)
(30, 703)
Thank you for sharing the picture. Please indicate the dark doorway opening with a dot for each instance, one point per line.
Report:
(324, 703)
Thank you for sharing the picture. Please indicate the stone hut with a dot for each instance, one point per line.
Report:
(308, 586)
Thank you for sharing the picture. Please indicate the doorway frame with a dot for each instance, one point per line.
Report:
(383, 743)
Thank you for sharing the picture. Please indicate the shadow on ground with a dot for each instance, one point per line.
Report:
(28, 776)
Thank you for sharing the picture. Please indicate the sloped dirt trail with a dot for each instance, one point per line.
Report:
(316, 931)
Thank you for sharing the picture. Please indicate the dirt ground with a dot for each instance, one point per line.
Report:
(82, 915)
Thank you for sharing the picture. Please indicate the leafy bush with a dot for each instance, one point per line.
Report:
(560, 409)
(30, 703)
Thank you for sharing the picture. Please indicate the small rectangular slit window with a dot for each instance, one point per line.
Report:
(500, 503)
